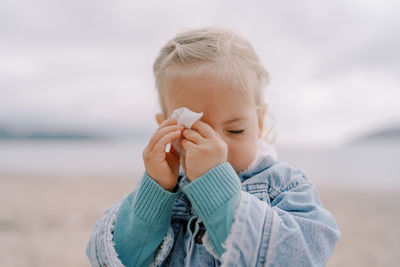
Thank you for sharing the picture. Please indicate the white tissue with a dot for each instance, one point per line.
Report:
(185, 117)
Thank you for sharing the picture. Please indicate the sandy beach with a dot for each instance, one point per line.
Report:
(47, 221)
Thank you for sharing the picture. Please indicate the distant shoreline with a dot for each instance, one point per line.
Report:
(7, 134)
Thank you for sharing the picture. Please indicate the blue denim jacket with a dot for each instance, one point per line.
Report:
(279, 221)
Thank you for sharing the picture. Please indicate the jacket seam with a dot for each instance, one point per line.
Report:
(266, 237)
(273, 192)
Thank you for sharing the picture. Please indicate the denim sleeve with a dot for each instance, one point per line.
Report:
(215, 196)
(100, 248)
(132, 229)
(142, 222)
(295, 230)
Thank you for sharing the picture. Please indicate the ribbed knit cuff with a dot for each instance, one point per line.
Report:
(213, 189)
(153, 203)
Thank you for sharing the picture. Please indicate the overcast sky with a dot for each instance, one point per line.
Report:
(334, 65)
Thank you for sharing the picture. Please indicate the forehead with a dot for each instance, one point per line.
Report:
(217, 99)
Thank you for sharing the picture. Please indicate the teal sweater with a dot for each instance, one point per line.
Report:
(145, 215)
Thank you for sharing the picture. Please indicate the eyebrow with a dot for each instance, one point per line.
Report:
(235, 119)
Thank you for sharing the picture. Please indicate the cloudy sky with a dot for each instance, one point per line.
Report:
(334, 65)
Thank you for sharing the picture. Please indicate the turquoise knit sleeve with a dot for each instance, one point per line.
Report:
(142, 222)
(215, 196)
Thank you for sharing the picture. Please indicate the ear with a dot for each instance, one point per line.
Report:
(159, 118)
(261, 114)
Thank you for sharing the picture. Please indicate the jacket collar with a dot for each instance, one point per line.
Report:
(265, 158)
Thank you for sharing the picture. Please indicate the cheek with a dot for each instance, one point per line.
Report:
(242, 154)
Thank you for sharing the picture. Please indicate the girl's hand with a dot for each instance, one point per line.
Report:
(163, 167)
(204, 149)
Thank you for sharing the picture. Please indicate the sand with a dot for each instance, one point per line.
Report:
(47, 220)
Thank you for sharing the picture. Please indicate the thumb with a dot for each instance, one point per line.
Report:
(183, 163)
(174, 152)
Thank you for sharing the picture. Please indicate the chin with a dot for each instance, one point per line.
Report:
(244, 165)
(238, 168)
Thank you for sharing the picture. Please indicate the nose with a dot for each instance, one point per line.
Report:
(217, 130)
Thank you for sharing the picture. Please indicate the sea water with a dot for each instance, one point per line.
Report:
(372, 164)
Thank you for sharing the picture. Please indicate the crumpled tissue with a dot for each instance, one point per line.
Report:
(187, 118)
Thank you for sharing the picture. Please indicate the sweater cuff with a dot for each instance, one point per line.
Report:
(153, 203)
(214, 188)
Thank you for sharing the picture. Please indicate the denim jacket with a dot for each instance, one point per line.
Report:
(278, 221)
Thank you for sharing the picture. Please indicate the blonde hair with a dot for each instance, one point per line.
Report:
(218, 52)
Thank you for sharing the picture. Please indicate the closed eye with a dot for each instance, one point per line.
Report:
(236, 132)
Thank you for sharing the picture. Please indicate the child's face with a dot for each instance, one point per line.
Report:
(230, 113)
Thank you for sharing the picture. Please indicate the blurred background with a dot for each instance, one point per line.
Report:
(77, 107)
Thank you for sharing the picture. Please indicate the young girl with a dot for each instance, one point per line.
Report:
(231, 203)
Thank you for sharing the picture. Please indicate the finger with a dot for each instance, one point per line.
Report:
(173, 163)
(169, 121)
(186, 144)
(204, 129)
(162, 132)
(192, 135)
(159, 148)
